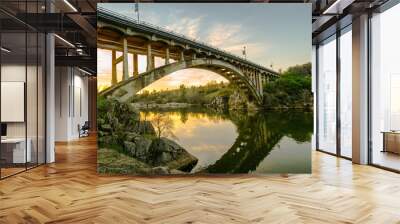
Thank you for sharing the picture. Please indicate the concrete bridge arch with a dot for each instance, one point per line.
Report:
(125, 89)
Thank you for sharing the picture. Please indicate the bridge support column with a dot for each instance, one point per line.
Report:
(262, 80)
(182, 56)
(150, 65)
(167, 56)
(153, 61)
(114, 68)
(260, 84)
(251, 76)
(135, 65)
(193, 56)
(256, 83)
(254, 80)
(125, 68)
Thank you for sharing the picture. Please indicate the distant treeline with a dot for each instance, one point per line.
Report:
(199, 95)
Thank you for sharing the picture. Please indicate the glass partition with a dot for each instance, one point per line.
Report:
(22, 90)
(385, 89)
(346, 92)
(13, 94)
(327, 95)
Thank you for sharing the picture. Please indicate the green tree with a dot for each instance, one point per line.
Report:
(182, 91)
(304, 69)
(291, 90)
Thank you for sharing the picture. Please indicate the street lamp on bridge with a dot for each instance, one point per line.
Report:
(137, 9)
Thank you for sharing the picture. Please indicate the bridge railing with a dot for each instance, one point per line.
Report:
(127, 18)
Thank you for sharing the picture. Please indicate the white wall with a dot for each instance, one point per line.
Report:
(62, 82)
(71, 94)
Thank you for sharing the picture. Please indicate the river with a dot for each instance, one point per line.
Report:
(233, 142)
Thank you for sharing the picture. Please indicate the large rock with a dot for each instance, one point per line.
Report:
(237, 101)
(142, 148)
(137, 146)
(220, 103)
(144, 127)
(131, 136)
(162, 170)
(165, 152)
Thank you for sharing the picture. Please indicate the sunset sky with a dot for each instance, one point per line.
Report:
(274, 34)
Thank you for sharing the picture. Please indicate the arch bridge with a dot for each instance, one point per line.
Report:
(119, 33)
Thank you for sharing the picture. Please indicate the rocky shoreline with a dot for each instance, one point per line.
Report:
(121, 129)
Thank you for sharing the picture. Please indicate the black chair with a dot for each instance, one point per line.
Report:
(84, 130)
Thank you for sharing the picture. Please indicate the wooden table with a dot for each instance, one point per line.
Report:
(391, 141)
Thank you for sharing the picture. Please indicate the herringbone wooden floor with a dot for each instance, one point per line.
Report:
(70, 191)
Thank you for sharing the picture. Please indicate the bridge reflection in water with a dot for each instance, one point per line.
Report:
(257, 137)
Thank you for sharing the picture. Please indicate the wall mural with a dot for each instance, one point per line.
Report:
(204, 88)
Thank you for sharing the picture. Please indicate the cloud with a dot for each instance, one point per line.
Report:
(223, 35)
(187, 26)
(152, 18)
(233, 37)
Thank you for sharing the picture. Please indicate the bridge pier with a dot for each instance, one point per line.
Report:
(125, 68)
(135, 65)
(252, 78)
(256, 83)
(167, 55)
(182, 56)
(150, 64)
(113, 67)
(260, 85)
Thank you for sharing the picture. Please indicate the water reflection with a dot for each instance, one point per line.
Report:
(264, 142)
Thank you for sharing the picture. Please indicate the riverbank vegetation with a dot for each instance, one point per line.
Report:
(292, 90)
(199, 95)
